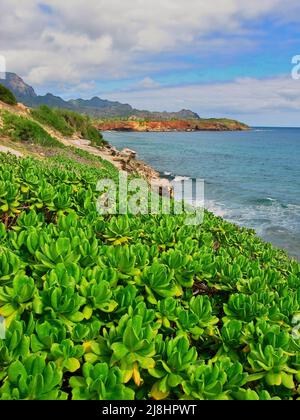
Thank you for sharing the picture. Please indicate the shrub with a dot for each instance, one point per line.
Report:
(101, 307)
(91, 133)
(82, 125)
(73, 119)
(68, 123)
(24, 130)
(7, 96)
(52, 118)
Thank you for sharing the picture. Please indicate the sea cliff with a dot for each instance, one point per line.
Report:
(172, 125)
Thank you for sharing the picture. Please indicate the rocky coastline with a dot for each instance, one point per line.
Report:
(171, 125)
(126, 160)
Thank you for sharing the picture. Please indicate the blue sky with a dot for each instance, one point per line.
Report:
(222, 58)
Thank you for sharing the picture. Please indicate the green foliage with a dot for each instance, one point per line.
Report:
(100, 382)
(35, 379)
(172, 369)
(7, 96)
(23, 129)
(52, 118)
(91, 133)
(215, 381)
(81, 124)
(68, 123)
(101, 307)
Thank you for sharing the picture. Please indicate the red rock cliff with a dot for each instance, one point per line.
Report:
(172, 125)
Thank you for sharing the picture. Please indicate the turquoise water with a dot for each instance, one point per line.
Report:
(251, 178)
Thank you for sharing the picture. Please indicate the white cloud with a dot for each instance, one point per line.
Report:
(105, 39)
(245, 98)
(147, 83)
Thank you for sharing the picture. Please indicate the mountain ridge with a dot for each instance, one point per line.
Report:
(95, 107)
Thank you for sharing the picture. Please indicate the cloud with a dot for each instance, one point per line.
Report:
(246, 98)
(74, 40)
(147, 83)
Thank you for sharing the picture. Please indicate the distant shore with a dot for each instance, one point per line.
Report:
(171, 125)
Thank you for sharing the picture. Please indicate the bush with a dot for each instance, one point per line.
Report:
(7, 96)
(25, 130)
(136, 306)
(82, 125)
(68, 123)
(73, 119)
(51, 117)
(91, 133)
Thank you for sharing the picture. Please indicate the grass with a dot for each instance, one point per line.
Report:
(7, 96)
(68, 123)
(24, 130)
(52, 118)
(82, 124)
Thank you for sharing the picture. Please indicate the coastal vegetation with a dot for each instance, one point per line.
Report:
(52, 118)
(68, 123)
(7, 96)
(32, 128)
(22, 129)
(136, 307)
(130, 306)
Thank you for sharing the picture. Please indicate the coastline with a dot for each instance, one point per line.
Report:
(272, 220)
(161, 126)
(123, 160)
(126, 160)
(135, 272)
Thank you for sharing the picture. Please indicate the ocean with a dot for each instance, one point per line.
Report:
(252, 178)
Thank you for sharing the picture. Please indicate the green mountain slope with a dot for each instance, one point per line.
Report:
(95, 107)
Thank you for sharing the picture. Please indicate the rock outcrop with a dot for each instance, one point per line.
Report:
(172, 125)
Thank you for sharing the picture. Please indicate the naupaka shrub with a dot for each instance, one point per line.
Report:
(136, 307)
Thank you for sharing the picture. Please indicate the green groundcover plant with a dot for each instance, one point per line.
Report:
(136, 307)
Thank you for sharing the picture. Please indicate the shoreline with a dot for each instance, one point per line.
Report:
(173, 131)
(126, 160)
(167, 179)
(160, 126)
(123, 160)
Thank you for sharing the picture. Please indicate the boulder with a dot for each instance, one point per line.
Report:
(131, 154)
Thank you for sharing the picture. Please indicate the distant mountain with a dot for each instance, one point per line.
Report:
(95, 107)
(20, 89)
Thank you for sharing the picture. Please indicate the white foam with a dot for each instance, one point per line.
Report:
(260, 129)
(216, 208)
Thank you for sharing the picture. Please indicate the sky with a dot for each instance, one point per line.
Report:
(220, 58)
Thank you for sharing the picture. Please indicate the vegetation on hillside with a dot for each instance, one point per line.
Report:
(7, 96)
(23, 129)
(68, 123)
(124, 307)
(53, 119)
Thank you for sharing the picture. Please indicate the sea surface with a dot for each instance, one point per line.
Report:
(251, 178)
